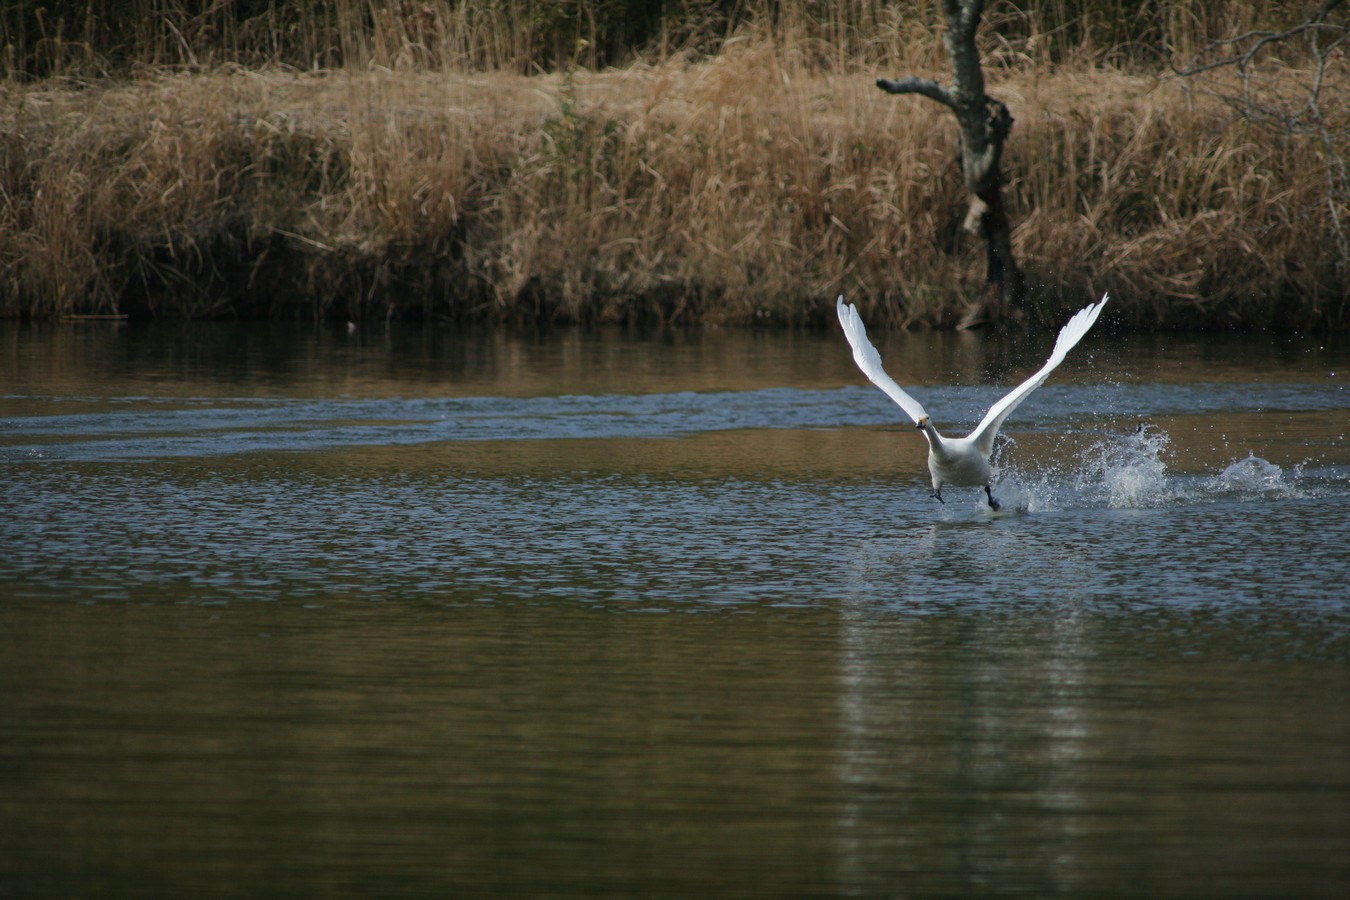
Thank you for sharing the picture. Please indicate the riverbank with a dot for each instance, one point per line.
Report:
(734, 190)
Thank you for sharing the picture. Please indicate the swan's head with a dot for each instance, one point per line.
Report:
(922, 423)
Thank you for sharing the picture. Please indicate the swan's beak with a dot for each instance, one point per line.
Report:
(922, 423)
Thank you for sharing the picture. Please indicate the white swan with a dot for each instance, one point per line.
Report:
(961, 462)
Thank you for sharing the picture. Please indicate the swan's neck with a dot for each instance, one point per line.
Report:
(934, 439)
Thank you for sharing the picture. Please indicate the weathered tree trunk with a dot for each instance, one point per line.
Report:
(985, 123)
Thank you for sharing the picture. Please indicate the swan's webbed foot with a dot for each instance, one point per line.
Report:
(993, 504)
(937, 495)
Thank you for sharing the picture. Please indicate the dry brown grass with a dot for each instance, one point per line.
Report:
(745, 188)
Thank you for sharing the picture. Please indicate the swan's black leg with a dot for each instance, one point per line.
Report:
(988, 492)
(937, 495)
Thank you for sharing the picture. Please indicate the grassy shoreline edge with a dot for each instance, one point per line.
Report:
(737, 189)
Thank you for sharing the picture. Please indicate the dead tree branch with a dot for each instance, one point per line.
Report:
(1285, 105)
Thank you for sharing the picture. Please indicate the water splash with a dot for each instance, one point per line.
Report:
(1255, 476)
(1129, 471)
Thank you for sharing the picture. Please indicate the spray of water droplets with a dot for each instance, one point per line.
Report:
(1129, 471)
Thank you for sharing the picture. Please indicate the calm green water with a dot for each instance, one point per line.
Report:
(292, 612)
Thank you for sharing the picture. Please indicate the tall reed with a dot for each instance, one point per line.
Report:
(437, 178)
(88, 37)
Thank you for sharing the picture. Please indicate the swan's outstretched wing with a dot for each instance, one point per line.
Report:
(869, 360)
(1072, 332)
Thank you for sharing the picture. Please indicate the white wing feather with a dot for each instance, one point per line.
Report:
(1072, 332)
(869, 360)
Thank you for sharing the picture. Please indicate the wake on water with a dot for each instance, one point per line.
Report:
(1128, 471)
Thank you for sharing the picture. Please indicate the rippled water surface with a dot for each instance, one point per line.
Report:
(423, 612)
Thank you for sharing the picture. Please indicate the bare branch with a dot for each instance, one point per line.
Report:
(1246, 46)
(912, 85)
(1272, 100)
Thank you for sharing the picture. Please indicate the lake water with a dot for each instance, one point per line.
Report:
(292, 611)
